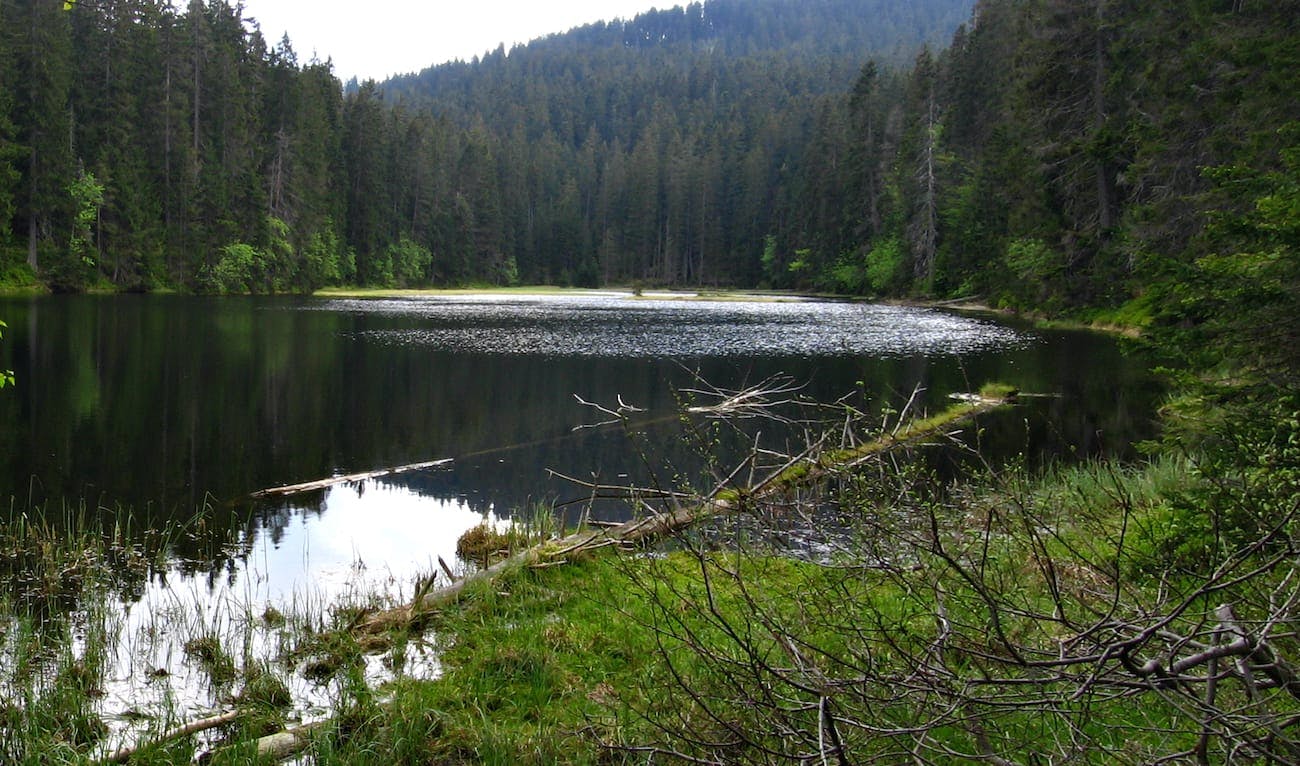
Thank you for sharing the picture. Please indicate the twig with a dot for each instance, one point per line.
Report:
(446, 569)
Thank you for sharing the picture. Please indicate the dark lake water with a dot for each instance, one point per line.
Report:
(155, 407)
(166, 404)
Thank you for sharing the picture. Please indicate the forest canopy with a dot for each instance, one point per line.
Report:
(1048, 154)
(144, 144)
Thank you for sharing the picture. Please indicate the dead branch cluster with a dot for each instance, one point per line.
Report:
(955, 628)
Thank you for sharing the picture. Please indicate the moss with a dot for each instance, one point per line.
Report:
(997, 390)
(264, 689)
(273, 618)
(482, 543)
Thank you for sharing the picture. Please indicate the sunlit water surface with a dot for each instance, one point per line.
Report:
(613, 326)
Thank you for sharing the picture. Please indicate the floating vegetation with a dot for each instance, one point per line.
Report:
(212, 657)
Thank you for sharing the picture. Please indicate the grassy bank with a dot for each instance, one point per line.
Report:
(1018, 617)
(1128, 321)
(727, 655)
(956, 620)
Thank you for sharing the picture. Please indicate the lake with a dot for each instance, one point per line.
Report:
(165, 413)
(158, 406)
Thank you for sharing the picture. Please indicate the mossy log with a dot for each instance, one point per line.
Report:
(800, 471)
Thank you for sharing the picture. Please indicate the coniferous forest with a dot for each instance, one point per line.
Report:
(1049, 154)
(148, 145)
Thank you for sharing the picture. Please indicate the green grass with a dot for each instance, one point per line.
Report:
(17, 278)
(572, 664)
(613, 652)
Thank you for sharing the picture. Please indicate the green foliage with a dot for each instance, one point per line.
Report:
(666, 654)
(618, 169)
(1138, 312)
(278, 258)
(1019, 154)
(324, 262)
(6, 376)
(772, 271)
(87, 198)
(508, 275)
(1013, 164)
(1246, 457)
(237, 270)
(801, 265)
(848, 274)
(1037, 270)
(534, 671)
(213, 658)
(886, 266)
(1239, 304)
(410, 263)
(244, 268)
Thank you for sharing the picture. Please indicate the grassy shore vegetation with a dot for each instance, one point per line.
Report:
(1091, 614)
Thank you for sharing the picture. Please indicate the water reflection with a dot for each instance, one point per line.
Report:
(612, 326)
(363, 536)
(162, 405)
(357, 542)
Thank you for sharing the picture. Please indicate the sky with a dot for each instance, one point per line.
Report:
(378, 38)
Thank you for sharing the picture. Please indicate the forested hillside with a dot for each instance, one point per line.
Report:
(1054, 154)
(146, 145)
(1060, 153)
(663, 149)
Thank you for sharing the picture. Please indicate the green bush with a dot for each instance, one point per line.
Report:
(885, 272)
(236, 270)
(1037, 270)
(409, 262)
(325, 261)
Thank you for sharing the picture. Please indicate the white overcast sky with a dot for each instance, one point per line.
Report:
(377, 38)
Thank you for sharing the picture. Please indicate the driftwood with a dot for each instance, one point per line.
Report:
(287, 743)
(294, 489)
(193, 727)
(279, 746)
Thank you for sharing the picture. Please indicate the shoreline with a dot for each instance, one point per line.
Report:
(976, 307)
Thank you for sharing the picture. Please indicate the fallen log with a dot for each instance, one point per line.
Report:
(287, 743)
(193, 727)
(801, 470)
(294, 489)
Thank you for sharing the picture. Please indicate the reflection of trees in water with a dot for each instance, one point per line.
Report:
(178, 404)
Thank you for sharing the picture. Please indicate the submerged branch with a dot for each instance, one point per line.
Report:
(797, 471)
(752, 402)
(294, 489)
